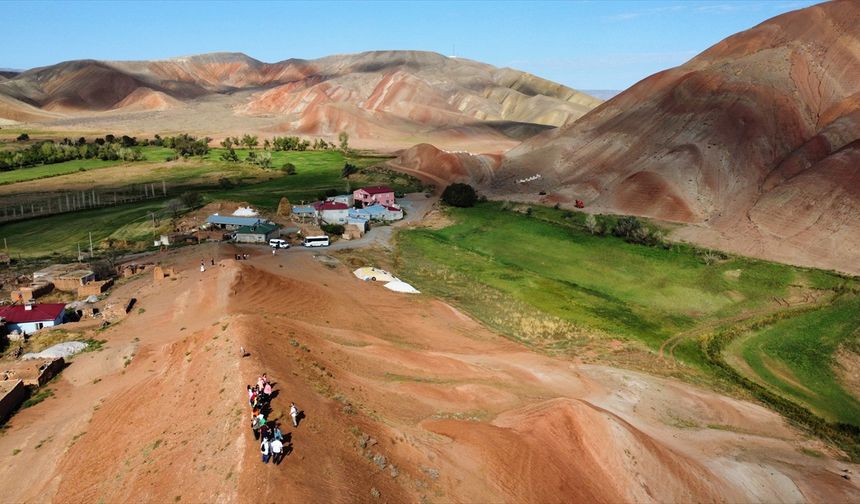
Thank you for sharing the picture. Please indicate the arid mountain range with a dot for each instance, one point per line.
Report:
(753, 145)
(384, 98)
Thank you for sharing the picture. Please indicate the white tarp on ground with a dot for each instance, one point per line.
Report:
(64, 350)
(245, 212)
(401, 286)
(379, 275)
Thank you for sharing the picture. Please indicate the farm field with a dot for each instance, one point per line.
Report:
(150, 154)
(542, 279)
(60, 235)
(316, 172)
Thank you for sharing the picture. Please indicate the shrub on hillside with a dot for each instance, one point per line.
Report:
(191, 199)
(460, 195)
(333, 229)
(626, 227)
(348, 169)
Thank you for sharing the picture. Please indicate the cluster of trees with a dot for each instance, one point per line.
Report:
(286, 143)
(249, 141)
(186, 201)
(108, 148)
(460, 195)
(262, 159)
(630, 229)
(184, 144)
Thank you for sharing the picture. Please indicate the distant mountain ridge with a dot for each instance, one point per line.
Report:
(373, 95)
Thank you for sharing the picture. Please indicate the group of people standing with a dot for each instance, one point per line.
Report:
(273, 444)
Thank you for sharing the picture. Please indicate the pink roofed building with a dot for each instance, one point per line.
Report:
(383, 195)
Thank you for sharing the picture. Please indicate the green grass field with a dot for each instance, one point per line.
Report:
(150, 154)
(795, 357)
(316, 172)
(543, 280)
(600, 283)
(60, 235)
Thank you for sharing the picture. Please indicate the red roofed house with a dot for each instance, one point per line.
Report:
(375, 194)
(32, 317)
(332, 212)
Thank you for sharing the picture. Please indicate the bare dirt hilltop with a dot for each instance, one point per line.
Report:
(406, 400)
(382, 98)
(755, 143)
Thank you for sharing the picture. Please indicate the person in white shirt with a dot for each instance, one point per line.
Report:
(277, 451)
(294, 412)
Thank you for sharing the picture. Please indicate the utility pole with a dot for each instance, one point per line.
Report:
(91, 244)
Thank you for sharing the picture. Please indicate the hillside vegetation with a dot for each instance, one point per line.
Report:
(538, 275)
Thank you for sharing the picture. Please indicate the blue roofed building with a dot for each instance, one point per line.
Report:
(377, 212)
(231, 221)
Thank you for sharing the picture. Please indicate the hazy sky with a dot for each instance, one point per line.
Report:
(586, 44)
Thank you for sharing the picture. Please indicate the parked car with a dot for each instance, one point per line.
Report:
(278, 243)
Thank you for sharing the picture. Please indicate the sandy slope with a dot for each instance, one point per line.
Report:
(462, 414)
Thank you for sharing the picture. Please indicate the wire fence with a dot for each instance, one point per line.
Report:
(73, 201)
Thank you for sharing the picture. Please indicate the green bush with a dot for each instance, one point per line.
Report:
(348, 169)
(460, 195)
(333, 229)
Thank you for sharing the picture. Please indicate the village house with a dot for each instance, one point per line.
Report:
(374, 194)
(231, 222)
(377, 213)
(304, 212)
(346, 199)
(261, 232)
(332, 212)
(359, 222)
(29, 318)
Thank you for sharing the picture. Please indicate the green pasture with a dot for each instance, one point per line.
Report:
(600, 283)
(796, 357)
(61, 234)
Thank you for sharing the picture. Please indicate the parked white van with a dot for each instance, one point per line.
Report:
(278, 243)
(316, 241)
